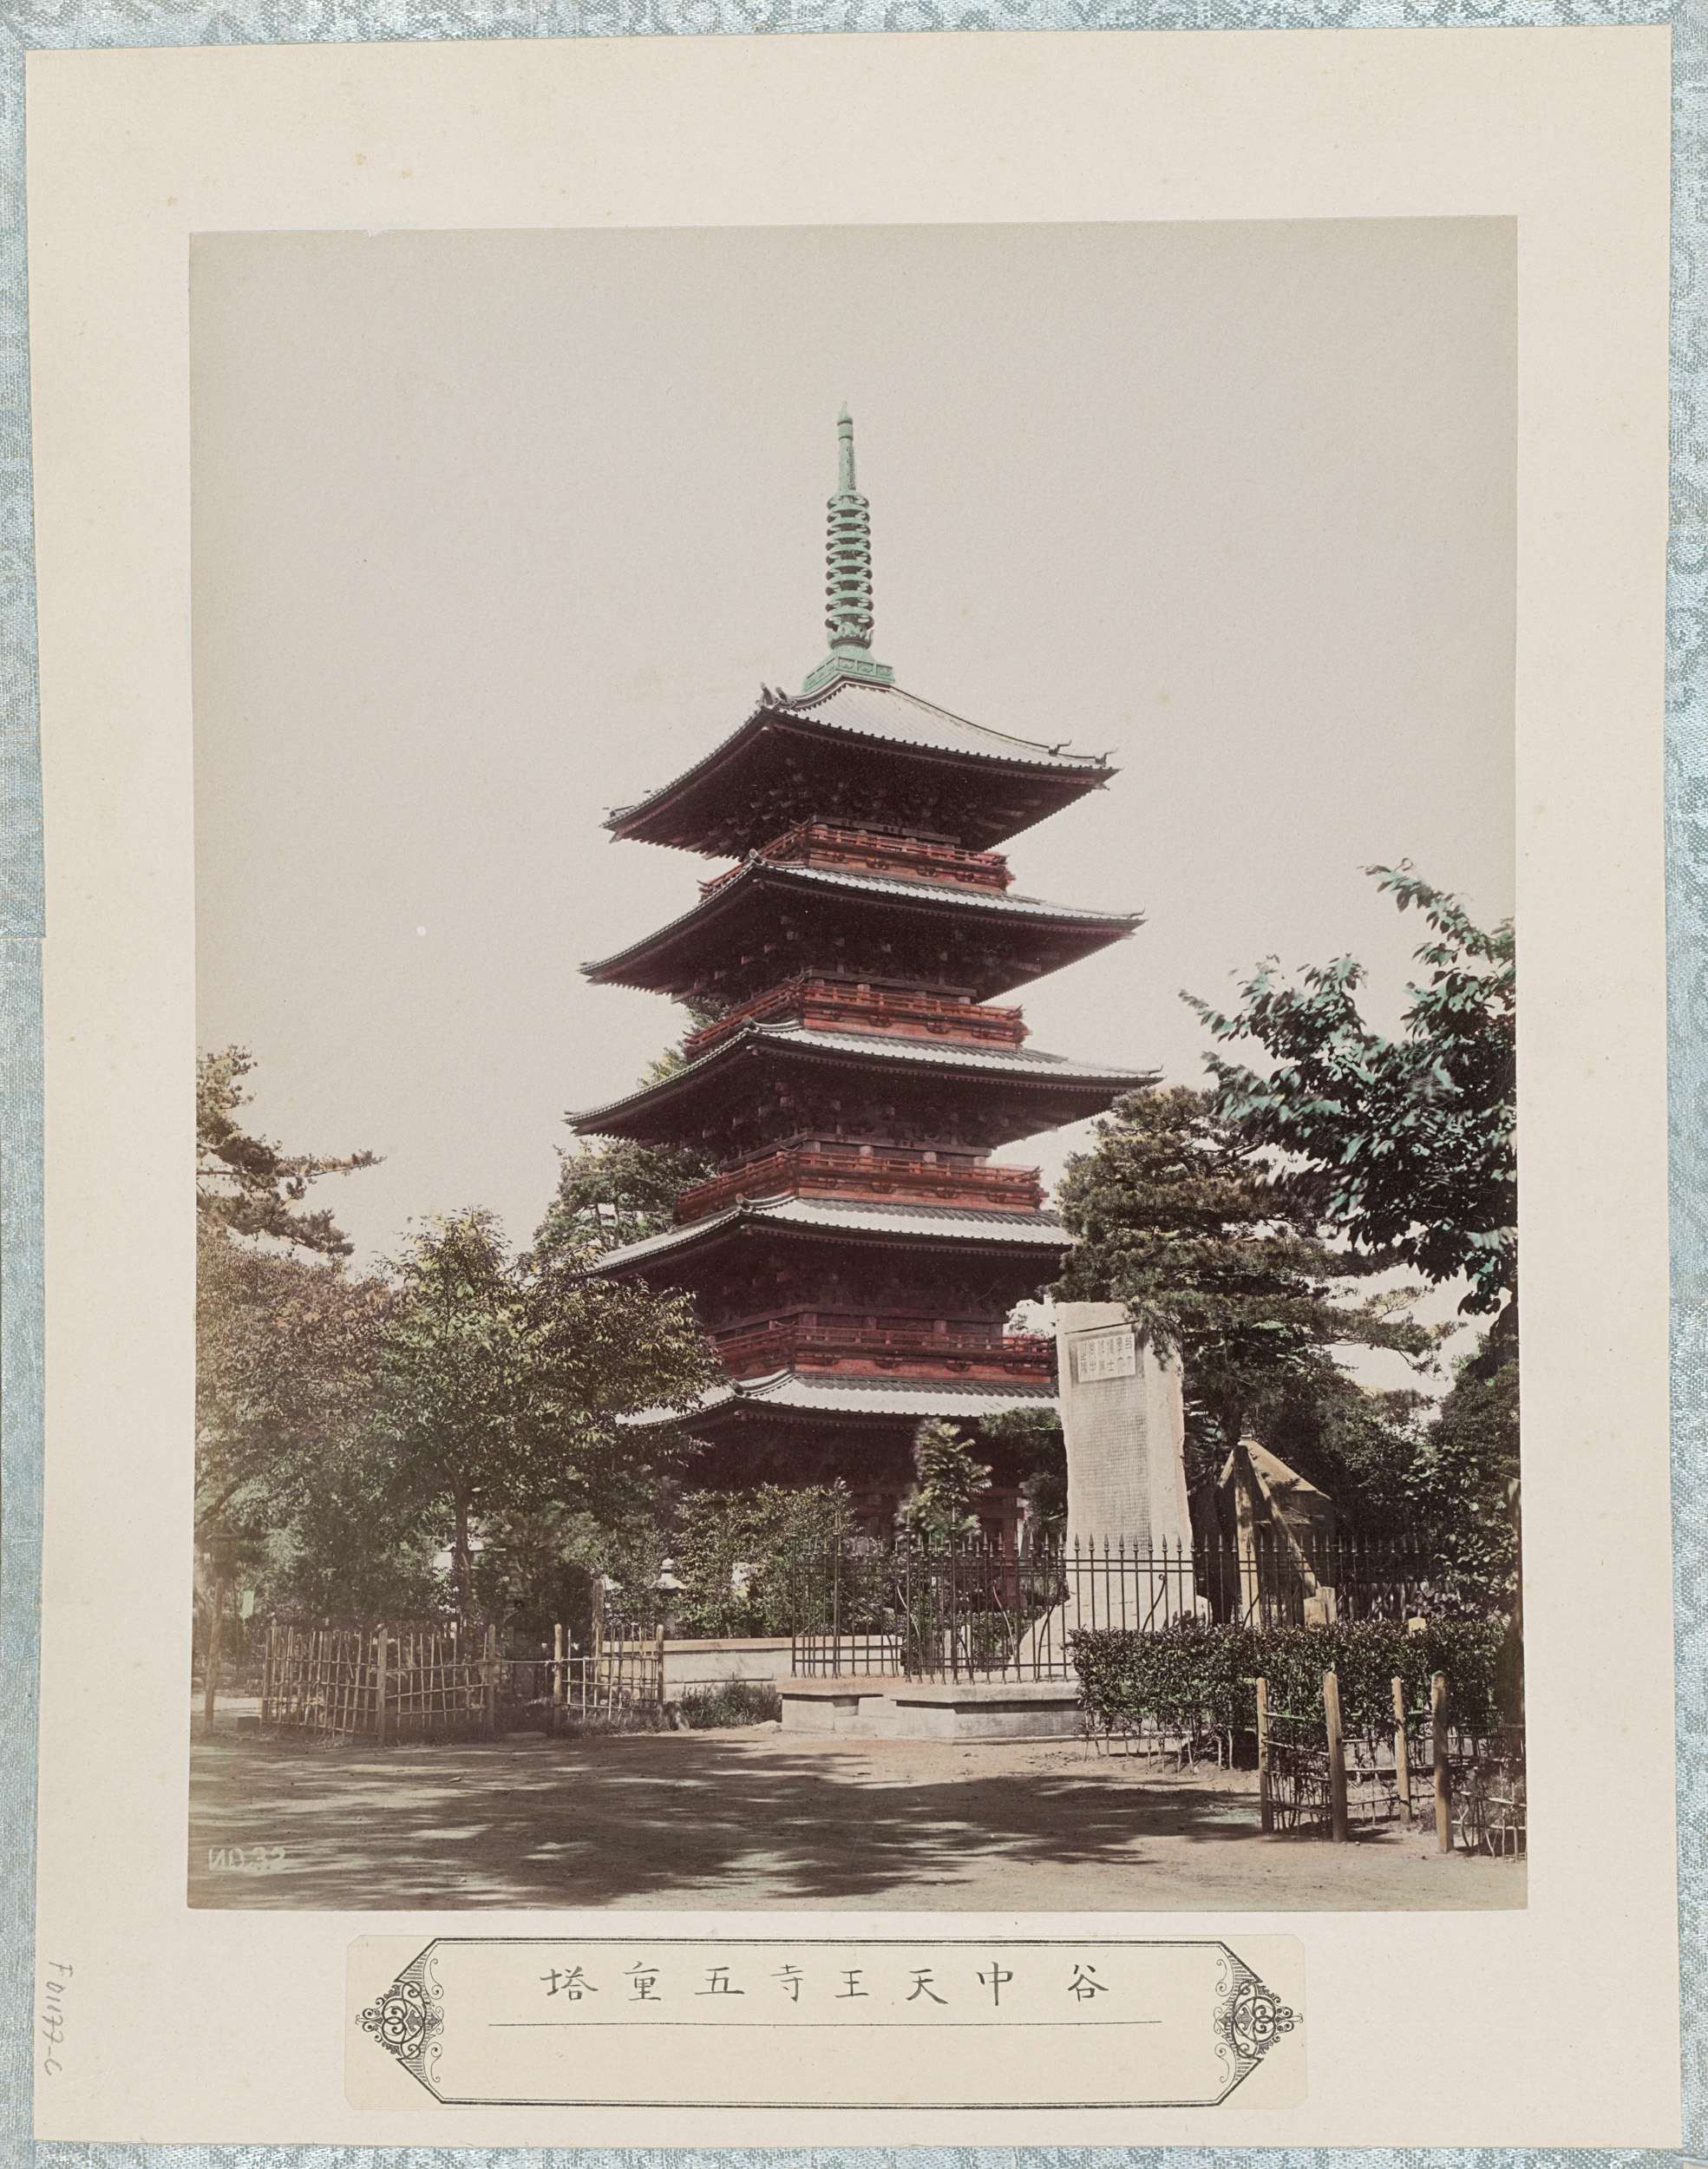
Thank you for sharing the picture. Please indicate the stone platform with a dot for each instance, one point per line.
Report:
(873, 1707)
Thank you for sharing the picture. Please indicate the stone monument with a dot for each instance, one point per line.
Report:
(1124, 1427)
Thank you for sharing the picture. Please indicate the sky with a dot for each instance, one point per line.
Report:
(492, 531)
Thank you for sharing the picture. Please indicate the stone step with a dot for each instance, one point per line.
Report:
(872, 1707)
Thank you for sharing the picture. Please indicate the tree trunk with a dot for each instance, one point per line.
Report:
(216, 1626)
(462, 1562)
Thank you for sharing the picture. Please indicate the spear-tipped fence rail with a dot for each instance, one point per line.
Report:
(1008, 1611)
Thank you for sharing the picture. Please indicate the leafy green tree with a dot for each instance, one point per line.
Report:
(1175, 1214)
(758, 1561)
(246, 1185)
(286, 1357)
(286, 1338)
(947, 1486)
(1032, 1438)
(1359, 1447)
(502, 1380)
(1404, 1148)
(345, 1550)
(614, 1193)
(1463, 1488)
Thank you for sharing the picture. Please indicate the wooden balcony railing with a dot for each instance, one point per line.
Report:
(884, 1171)
(916, 1350)
(827, 1005)
(860, 851)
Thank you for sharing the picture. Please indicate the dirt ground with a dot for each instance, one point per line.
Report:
(757, 1817)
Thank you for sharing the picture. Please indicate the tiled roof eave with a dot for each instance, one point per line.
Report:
(903, 1226)
(1031, 757)
(926, 896)
(1020, 1069)
(846, 1394)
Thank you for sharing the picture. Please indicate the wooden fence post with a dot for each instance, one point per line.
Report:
(1443, 1782)
(216, 1628)
(1266, 1803)
(490, 1667)
(1401, 1753)
(266, 1678)
(1337, 1759)
(560, 1674)
(381, 1689)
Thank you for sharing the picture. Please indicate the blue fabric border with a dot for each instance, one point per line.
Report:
(72, 24)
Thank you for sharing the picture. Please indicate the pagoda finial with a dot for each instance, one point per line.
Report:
(849, 617)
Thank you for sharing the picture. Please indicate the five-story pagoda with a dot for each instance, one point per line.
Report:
(856, 1253)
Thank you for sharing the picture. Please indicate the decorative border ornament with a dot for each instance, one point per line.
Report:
(409, 2016)
(1250, 2018)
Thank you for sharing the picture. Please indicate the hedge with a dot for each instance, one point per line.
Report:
(1193, 1675)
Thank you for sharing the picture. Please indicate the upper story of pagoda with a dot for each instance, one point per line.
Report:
(848, 1041)
(863, 756)
(863, 818)
(853, 752)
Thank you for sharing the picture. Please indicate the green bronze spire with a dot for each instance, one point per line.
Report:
(849, 578)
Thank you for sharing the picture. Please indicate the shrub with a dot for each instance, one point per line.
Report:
(737, 1702)
(781, 1539)
(628, 1717)
(1194, 1674)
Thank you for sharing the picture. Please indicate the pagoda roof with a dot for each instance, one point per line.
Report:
(887, 713)
(792, 1394)
(1092, 1086)
(928, 1226)
(670, 959)
(882, 735)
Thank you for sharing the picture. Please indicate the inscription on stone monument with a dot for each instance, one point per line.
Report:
(1105, 1355)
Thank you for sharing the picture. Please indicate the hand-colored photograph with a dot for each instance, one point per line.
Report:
(855, 1115)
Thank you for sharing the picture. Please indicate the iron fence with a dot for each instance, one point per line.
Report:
(979, 1609)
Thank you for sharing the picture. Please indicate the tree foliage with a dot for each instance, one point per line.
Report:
(940, 1505)
(286, 1351)
(1173, 1213)
(1032, 1438)
(1404, 1148)
(286, 1338)
(614, 1193)
(756, 1563)
(1360, 1447)
(1463, 1488)
(502, 1380)
(247, 1185)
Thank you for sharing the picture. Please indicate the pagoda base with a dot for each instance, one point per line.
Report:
(796, 1428)
(872, 1708)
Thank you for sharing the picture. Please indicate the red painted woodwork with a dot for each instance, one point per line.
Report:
(916, 1351)
(832, 1170)
(829, 1005)
(862, 851)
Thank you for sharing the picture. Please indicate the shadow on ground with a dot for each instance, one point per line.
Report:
(737, 1819)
